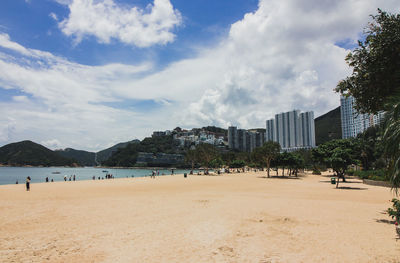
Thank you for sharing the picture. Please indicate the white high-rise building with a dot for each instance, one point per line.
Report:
(354, 122)
(306, 130)
(292, 130)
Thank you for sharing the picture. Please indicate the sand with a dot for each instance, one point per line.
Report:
(229, 218)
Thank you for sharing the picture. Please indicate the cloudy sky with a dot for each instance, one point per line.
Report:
(88, 74)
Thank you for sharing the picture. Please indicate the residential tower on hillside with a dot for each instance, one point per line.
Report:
(244, 140)
(292, 130)
(354, 122)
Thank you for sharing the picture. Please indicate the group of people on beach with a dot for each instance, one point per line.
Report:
(108, 176)
(71, 178)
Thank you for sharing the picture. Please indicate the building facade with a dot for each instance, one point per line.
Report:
(244, 140)
(292, 130)
(354, 122)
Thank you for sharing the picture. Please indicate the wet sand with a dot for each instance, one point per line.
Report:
(229, 218)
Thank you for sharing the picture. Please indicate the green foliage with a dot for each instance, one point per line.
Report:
(392, 145)
(371, 148)
(395, 211)
(338, 154)
(30, 153)
(216, 163)
(375, 81)
(237, 164)
(126, 157)
(316, 171)
(216, 130)
(376, 175)
(265, 154)
(83, 157)
(191, 158)
(306, 155)
(205, 154)
(103, 155)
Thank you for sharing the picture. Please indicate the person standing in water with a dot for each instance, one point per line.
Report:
(28, 182)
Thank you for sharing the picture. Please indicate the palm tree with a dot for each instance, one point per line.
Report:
(391, 140)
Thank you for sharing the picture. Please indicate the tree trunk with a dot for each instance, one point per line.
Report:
(337, 182)
(268, 164)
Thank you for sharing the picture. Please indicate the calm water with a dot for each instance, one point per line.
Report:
(9, 175)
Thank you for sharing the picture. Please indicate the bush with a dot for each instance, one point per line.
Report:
(350, 172)
(316, 171)
(395, 211)
(376, 175)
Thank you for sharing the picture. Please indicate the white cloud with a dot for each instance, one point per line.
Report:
(282, 56)
(20, 98)
(54, 16)
(107, 20)
(53, 143)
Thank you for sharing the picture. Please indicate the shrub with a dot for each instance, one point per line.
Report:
(395, 211)
(377, 175)
(316, 171)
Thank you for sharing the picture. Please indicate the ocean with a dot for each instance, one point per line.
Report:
(11, 175)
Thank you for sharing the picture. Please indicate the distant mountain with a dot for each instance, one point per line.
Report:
(84, 158)
(106, 153)
(30, 153)
(328, 127)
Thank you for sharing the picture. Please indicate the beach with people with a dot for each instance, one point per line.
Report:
(235, 217)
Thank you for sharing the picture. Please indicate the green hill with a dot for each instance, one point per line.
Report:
(83, 157)
(328, 127)
(106, 153)
(30, 153)
(127, 156)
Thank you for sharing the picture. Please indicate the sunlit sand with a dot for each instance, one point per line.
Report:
(229, 218)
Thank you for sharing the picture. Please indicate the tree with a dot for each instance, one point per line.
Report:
(375, 81)
(216, 163)
(283, 160)
(191, 157)
(392, 145)
(337, 154)
(266, 153)
(295, 162)
(206, 153)
(237, 163)
(371, 148)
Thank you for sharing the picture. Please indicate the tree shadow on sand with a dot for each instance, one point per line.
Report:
(280, 177)
(385, 221)
(348, 182)
(351, 188)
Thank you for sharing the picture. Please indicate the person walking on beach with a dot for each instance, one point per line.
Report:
(74, 177)
(28, 182)
(65, 178)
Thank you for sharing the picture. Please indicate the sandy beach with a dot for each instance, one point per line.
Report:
(229, 218)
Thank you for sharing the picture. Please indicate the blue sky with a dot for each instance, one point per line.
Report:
(204, 22)
(88, 74)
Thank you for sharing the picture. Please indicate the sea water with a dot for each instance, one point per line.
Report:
(10, 175)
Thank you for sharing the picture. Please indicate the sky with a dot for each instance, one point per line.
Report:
(88, 74)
